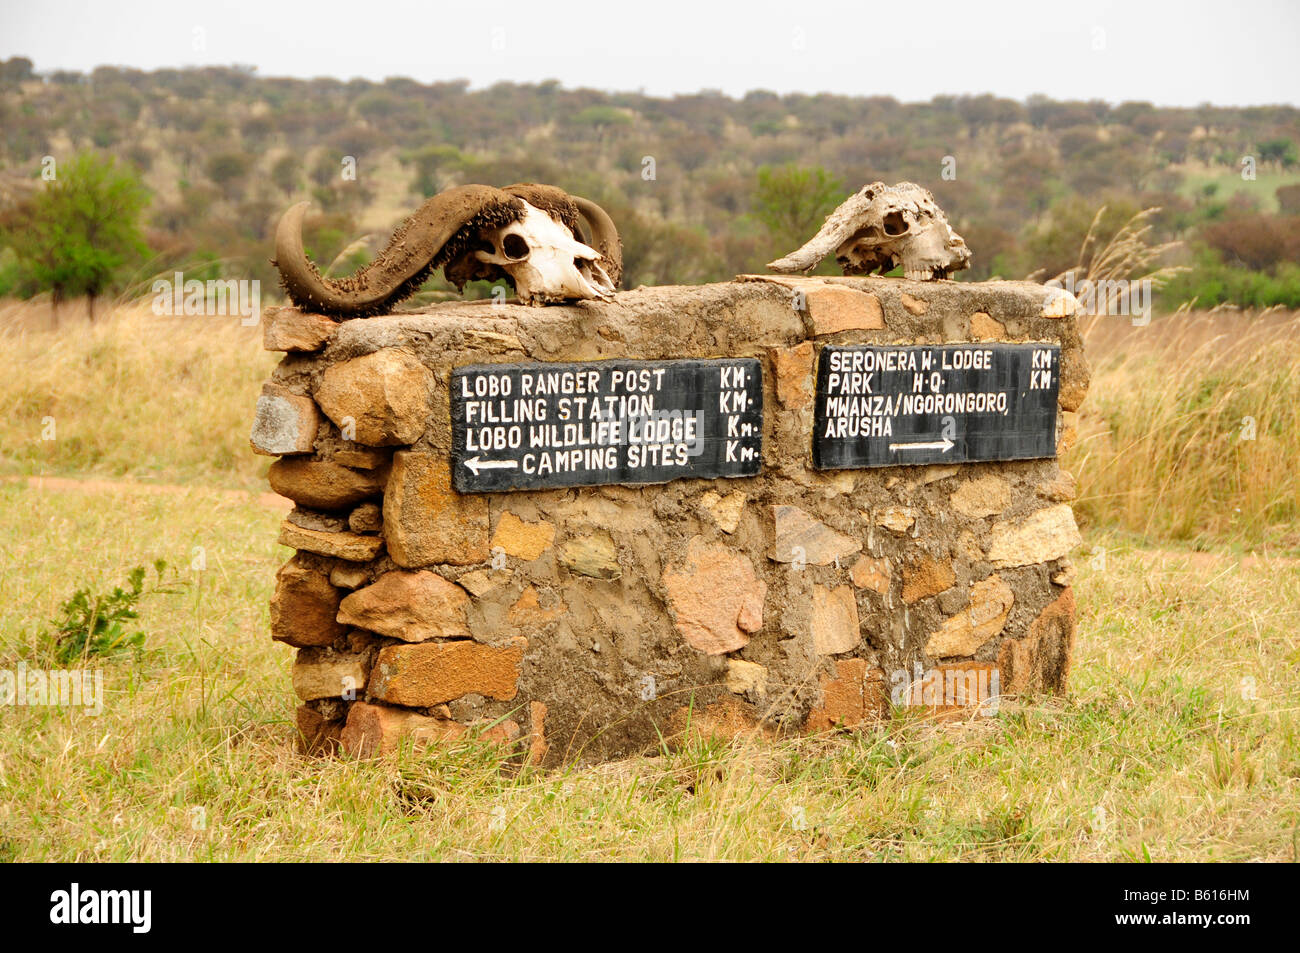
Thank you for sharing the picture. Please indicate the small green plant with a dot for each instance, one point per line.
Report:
(98, 624)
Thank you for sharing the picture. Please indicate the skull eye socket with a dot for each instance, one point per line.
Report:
(895, 224)
(514, 247)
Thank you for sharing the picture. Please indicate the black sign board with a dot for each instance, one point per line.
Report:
(533, 426)
(951, 403)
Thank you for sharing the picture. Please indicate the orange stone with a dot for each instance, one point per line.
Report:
(984, 328)
(426, 521)
(537, 746)
(955, 688)
(323, 484)
(793, 369)
(304, 606)
(983, 618)
(923, 576)
(716, 598)
(317, 735)
(288, 329)
(380, 399)
(528, 613)
(834, 620)
(522, 540)
(412, 606)
(914, 305)
(1040, 661)
(380, 729)
(834, 308)
(871, 573)
(431, 673)
(855, 696)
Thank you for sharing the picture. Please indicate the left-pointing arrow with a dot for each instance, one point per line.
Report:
(475, 464)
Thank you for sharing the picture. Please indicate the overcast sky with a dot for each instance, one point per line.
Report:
(1229, 52)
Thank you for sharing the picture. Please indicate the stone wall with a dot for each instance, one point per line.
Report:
(587, 623)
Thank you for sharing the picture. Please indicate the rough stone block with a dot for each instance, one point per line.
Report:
(283, 422)
(366, 518)
(834, 308)
(984, 496)
(317, 735)
(925, 576)
(349, 546)
(426, 522)
(800, 538)
(1040, 661)
(381, 729)
(594, 555)
(323, 484)
(431, 673)
(724, 510)
(304, 606)
(984, 328)
(411, 606)
(871, 573)
(855, 696)
(1045, 535)
(834, 619)
(321, 673)
(383, 398)
(793, 367)
(956, 688)
(520, 539)
(983, 618)
(716, 599)
(746, 678)
(288, 329)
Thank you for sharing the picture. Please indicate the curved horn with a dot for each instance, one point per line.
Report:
(438, 231)
(837, 229)
(604, 236)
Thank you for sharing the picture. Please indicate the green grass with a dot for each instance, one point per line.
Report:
(1263, 188)
(1156, 733)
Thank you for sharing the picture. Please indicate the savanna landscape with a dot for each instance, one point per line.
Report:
(124, 444)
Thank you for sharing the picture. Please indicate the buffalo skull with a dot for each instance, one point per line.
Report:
(529, 235)
(882, 227)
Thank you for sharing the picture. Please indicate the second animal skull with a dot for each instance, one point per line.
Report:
(881, 227)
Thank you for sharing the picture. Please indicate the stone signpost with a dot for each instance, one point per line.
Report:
(771, 505)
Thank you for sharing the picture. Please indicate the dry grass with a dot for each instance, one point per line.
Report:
(131, 395)
(1126, 256)
(1180, 739)
(1189, 431)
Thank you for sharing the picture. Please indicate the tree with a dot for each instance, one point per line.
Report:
(1278, 150)
(792, 201)
(75, 236)
(431, 164)
(1288, 199)
(16, 70)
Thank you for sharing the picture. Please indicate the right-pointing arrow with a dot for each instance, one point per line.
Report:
(945, 445)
